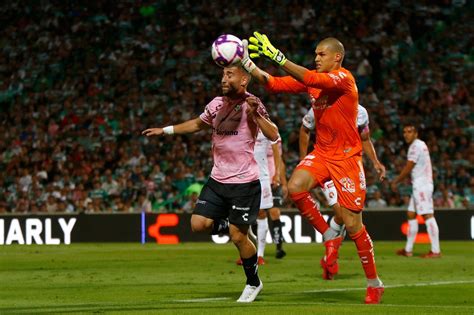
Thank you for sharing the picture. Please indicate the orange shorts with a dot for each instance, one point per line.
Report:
(348, 177)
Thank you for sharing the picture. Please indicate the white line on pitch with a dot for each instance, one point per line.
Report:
(421, 284)
(204, 300)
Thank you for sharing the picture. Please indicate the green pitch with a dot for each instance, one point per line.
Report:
(202, 278)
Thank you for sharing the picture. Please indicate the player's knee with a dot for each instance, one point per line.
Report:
(353, 227)
(428, 216)
(294, 186)
(238, 238)
(274, 213)
(411, 215)
(200, 224)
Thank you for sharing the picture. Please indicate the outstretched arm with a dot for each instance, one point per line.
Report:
(261, 46)
(261, 76)
(296, 71)
(285, 84)
(189, 126)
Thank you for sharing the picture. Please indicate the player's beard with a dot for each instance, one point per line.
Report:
(229, 91)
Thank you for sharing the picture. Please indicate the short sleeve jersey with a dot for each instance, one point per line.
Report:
(422, 172)
(233, 139)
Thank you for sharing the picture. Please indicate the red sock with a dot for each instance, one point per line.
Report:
(366, 252)
(310, 210)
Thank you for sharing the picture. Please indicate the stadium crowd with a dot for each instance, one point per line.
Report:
(79, 83)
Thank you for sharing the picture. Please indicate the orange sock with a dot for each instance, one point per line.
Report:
(365, 249)
(310, 210)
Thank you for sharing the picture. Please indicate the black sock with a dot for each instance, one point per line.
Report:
(251, 270)
(221, 226)
(277, 236)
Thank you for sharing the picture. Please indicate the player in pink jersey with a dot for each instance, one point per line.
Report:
(233, 189)
(267, 155)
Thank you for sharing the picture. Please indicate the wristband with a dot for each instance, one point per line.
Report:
(168, 130)
(248, 64)
(276, 141)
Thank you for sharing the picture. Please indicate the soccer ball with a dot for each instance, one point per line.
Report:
(227, 50)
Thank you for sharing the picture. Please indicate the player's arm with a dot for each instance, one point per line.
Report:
(405, 172)
(273, 84)
(283, 181)
(369, 151)
(189, 126)
(260, 45)
(269, 129)
(276, 180)
(305, 134)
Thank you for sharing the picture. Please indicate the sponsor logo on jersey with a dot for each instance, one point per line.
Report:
(222, 132)
(347, 184)
(320, 102)
(335, 78)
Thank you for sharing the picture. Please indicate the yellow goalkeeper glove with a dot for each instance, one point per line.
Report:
(260, 45)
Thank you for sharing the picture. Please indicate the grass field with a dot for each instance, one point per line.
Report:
(203, 278)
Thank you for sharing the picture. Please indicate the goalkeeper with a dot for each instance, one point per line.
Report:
(337, 154)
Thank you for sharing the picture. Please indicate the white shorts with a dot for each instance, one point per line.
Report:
(330, 192)
(421, 200)
(266, 199)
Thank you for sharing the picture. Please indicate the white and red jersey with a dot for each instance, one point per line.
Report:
(261, 148)
(422, 172)
(362, 119)
(233, 139)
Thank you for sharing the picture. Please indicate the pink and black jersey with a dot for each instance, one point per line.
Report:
(233, 139)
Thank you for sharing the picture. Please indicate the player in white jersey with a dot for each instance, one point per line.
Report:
(421, 201)
(328, 189)
(233, 189)
(280, 193)
(262, 145)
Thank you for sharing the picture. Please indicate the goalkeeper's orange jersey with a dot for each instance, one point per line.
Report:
(334, 99)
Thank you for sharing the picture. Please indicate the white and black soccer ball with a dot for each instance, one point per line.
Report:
(227, 50)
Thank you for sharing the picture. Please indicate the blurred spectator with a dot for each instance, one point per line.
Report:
(78, 82)
(377, 201)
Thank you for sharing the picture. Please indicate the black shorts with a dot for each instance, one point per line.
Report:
(238, 202)
(277, 196)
